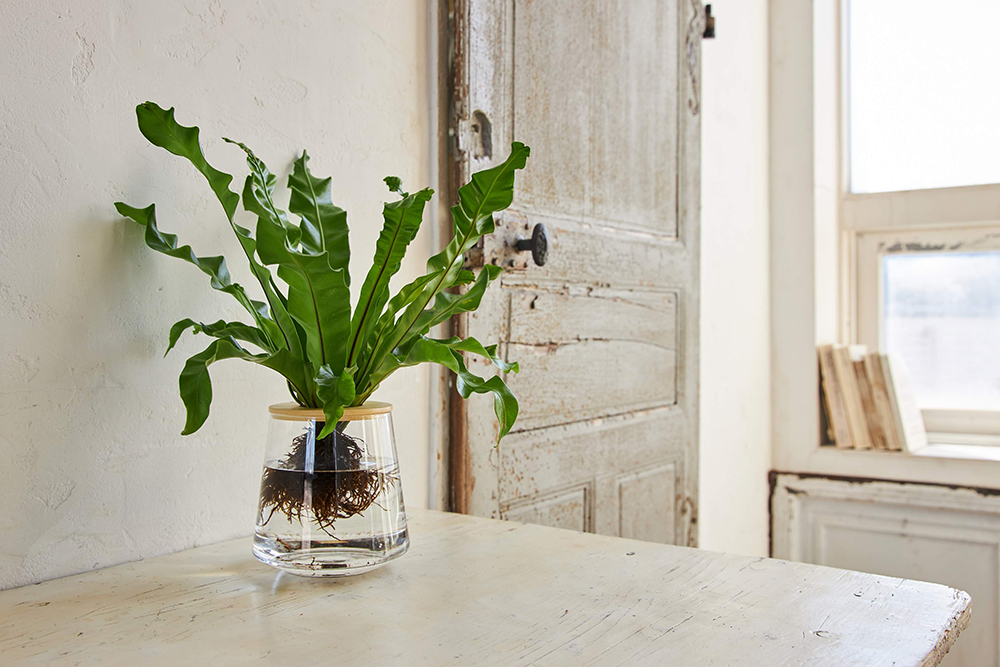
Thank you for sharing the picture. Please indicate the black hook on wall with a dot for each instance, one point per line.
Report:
(709, 24)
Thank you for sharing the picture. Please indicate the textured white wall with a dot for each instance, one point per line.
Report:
(93, 470)
(735, 372)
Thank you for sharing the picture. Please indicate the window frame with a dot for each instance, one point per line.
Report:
(873, 225)
(808, 292)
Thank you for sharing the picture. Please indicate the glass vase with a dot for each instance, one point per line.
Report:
(331, 506)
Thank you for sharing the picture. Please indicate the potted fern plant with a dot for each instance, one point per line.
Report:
(330, 500)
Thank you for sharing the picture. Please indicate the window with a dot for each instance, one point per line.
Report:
(924, 91)
(919, 203)
(941, 316)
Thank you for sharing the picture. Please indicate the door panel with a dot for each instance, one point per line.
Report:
(569, 509)
(594, 253)
(551, 92)
(629, 495)
(646, 504)
(595, 96)
(606, 332)
(547, 316)
(589, 379)
(633, 111)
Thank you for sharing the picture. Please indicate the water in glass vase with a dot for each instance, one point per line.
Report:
(330, 507)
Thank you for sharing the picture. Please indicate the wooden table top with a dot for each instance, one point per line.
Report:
(481, 592)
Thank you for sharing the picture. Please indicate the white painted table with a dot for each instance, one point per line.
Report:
(480, 592)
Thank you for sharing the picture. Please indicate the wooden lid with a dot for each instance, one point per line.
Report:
(296, 413)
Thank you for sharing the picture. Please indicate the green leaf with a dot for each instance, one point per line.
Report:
(273, 230)
(258, 193)
(336, 392)
(504, 402)
(407, 295)
(448, 354)
(196, 385)
(489, 192)
(320, 302)
(159, 126)
(395, 184)
(324, 225)
(473, 346)
(402, 222)
(176, 331)
(395, 360)
(214, 267)
(415, 321)
(447, 304)
(220, 329)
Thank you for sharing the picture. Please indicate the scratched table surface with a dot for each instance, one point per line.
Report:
(481, 592)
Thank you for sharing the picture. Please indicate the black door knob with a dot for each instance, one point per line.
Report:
(538, 244)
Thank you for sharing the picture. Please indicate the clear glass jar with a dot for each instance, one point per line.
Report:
(331, 507)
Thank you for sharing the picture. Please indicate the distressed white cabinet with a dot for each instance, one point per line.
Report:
(924, 532)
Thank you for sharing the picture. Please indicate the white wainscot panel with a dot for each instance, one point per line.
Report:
(913, 531)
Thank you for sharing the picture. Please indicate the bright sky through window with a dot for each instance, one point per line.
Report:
(924, 94)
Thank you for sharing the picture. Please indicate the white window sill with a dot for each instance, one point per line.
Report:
(961, 451)
(958, 464)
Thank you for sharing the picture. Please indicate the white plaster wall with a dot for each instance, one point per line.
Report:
(93, 470)
(735, 373)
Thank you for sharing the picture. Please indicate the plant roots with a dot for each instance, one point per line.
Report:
(338, 487)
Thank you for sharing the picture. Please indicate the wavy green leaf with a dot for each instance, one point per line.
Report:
(447, 304)
(416, 321)
(273, 231)
(489, 191)
(402, 222)
(196, 385)
(504, 402)
(214, 267)
(258, 192)
(473, 346)
(324, 225)
(395, 184)
(407, 295)
(161, 129)
(220, 329)
(318, 294)
(449, 355)
(470, 345)
(159, 126)
(319, 300)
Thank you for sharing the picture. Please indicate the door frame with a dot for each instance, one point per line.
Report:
(442, 157)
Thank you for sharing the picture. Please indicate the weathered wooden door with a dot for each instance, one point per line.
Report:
(605, 92)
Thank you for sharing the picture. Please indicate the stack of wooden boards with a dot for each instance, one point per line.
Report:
(868, 401)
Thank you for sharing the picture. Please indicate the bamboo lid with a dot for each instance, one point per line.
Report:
(296, 413)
